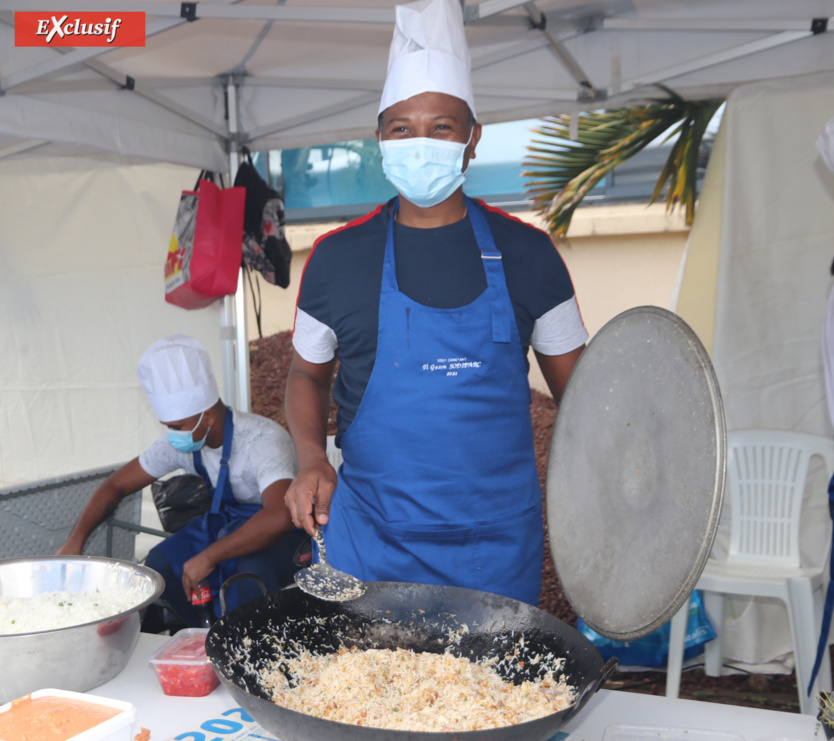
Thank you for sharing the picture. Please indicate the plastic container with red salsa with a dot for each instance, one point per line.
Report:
(182, 666)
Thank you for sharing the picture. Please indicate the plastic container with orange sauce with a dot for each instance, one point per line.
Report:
(119, 727)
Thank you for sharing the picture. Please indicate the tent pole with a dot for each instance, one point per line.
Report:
(233, 331)
(227, 345)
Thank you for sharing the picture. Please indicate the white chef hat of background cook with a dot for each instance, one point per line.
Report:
(825, 144)
(428, 53)
(178, 379)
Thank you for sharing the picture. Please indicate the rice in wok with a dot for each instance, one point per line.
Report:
(517, 641)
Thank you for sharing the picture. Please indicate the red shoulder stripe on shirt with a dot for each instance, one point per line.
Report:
(355, 222)
(496, 210)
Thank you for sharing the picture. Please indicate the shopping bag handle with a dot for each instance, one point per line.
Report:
(247, 154)
(209, 175)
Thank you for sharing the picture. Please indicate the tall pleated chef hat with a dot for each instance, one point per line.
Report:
(178, 379)
(428, 53)
(825, 144)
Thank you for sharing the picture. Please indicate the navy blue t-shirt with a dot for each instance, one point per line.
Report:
(440, 267)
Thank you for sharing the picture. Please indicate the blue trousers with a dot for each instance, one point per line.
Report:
(273, 564)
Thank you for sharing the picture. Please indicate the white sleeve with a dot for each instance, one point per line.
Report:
(313, 340)
(273, 457)
(161, 458)
(560, 330)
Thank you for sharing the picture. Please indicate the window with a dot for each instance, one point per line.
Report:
(344, 180)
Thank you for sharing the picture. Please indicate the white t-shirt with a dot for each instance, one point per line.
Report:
(262, 453)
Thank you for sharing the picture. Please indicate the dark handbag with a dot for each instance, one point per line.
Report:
(265, 248)
(179, 500)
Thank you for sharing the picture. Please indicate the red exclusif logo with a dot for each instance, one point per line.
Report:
(79, 29)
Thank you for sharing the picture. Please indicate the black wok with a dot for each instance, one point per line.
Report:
(390, 615)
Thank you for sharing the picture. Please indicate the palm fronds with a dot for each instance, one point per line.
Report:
(826, 712)
(562, 172)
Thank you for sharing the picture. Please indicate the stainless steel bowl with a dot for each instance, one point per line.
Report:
(80, 657)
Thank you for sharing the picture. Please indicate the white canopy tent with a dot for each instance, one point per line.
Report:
(214, 76)
(271, 75)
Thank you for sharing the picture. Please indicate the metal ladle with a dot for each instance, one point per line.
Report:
(323, 581)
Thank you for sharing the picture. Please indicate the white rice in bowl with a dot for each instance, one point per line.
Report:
(55, 610)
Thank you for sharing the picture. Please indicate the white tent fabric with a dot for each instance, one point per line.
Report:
(776, 248)
(82, 250)
(300, 72)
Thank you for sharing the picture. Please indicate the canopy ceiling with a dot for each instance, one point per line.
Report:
(301, 72)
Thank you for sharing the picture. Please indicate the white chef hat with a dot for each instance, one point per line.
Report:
(178, 379)
(428, 54)
(825, 144)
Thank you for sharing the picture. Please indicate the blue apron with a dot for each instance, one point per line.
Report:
(439, 482)
(227, 514)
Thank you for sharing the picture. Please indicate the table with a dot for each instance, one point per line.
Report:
(166, 717)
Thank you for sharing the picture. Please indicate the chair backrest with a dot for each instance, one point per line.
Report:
(36, 518)
(766, 473)
(334, 454)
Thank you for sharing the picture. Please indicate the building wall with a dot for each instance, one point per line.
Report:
(619, 257)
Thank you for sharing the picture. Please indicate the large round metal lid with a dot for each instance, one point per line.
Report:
(635, 477)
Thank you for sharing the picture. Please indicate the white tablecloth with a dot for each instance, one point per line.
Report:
(166, 717)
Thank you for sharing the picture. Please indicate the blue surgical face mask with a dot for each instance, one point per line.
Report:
(183, 440)
(424, 171)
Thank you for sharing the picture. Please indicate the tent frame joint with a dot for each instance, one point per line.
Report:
(540, 25)
(590, 94)
(188, 11)
(819, 25)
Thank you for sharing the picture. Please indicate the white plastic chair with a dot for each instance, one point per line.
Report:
(766, 473)
(334, 454)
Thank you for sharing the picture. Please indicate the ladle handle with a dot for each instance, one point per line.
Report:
(322, 550)
(237, 577)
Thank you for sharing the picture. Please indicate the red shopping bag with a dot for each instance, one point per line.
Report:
(205, 252)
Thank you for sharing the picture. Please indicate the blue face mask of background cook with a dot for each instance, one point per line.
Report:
(424, 171)
(183, 440)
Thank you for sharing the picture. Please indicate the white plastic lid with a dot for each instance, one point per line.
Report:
(187, 647)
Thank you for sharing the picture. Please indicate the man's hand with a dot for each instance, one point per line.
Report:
(194, 570)
(309, 495)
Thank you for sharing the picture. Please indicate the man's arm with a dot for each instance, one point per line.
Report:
(128, 479)
(556, 370)
(262, 529)
(307, 405)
